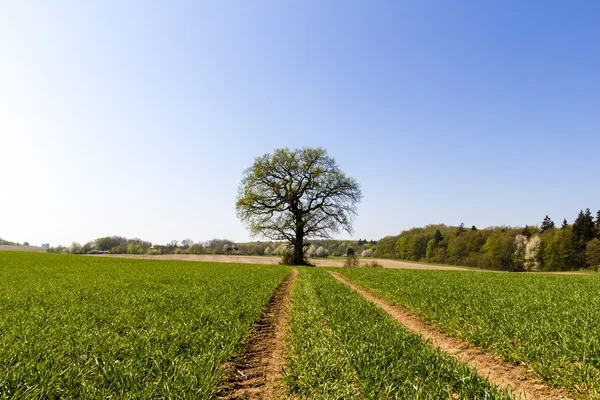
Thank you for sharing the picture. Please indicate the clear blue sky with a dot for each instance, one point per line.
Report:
(138, 118)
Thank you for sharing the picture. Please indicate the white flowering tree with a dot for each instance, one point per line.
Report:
(312, 251)
(322, 252)
(519, 254)
(532, 249)
(367, 253)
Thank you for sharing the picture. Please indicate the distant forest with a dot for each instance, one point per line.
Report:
(4, 242)
(531, 248)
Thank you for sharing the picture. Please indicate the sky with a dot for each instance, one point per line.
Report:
(138, 118)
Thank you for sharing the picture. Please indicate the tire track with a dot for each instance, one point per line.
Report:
(520, 381)
(256, 372)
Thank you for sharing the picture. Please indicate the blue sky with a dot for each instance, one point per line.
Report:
(138, 118)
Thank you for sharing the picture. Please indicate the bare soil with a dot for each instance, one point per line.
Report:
(270, 260)
(21, 248)
(256, 373)
(520, 381)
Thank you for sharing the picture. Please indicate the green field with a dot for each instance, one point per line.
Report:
(85, 327)
(342, 346)
(549, 323)
(94, 327)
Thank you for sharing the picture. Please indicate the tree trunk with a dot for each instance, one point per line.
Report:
(298, 258)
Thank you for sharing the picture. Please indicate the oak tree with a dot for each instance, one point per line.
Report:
(295, 195)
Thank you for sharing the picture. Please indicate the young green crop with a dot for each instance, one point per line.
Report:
(86, 327)
(550, 323)
(342, 346)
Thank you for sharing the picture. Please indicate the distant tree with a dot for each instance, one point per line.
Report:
(431, 251)
(187, 242)
(87, 247)
(108, 243)
(367, 253)
(565, 224)
(457, 249)
(294, 195)
(559, 251)
(461, 229)
(76, 248)
(498, 251)
(473, 228)
(438, 236)
(592, 253)
(526, 232)
(25, 243)
(583, 227)
(118, 250)
(547, 224)
(532, 249)
(350, 251)
(598, 219)
(386, 247)
(519, 252)
(322, 252)
(196, 248)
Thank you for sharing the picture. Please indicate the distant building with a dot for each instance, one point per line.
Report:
(46, 246)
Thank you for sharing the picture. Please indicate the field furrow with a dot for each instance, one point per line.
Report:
(83, 327)
(255, 373)
(548, 324)
(516, 379)
(372, 356)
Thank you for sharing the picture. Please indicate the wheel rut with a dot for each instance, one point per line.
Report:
(256, 373)
(516, 378)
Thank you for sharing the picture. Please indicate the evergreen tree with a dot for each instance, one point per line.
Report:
(526, 232)
(547, 224)
(461, 229)
(438, 236)
(598, 219)
(583, 227)
(564, 224)
(473, 228)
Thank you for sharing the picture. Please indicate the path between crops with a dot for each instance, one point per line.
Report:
(256, 372)
(521, 382)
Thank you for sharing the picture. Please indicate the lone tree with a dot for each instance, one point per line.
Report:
(294, 195)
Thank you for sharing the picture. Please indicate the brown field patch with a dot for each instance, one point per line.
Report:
(271, 260)
(22, 248)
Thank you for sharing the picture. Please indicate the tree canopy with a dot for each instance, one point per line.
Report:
(295, 195)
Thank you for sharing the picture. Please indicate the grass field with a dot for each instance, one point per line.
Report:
(84, 327)
(96, 327)
(342, 346)
(550, 323)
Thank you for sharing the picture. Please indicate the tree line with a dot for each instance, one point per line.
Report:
(123, 245)
(529, 248)
(547, 247)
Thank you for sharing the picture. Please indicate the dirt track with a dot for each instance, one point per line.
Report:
(275, 260)
(256, 373)
(518, 379)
